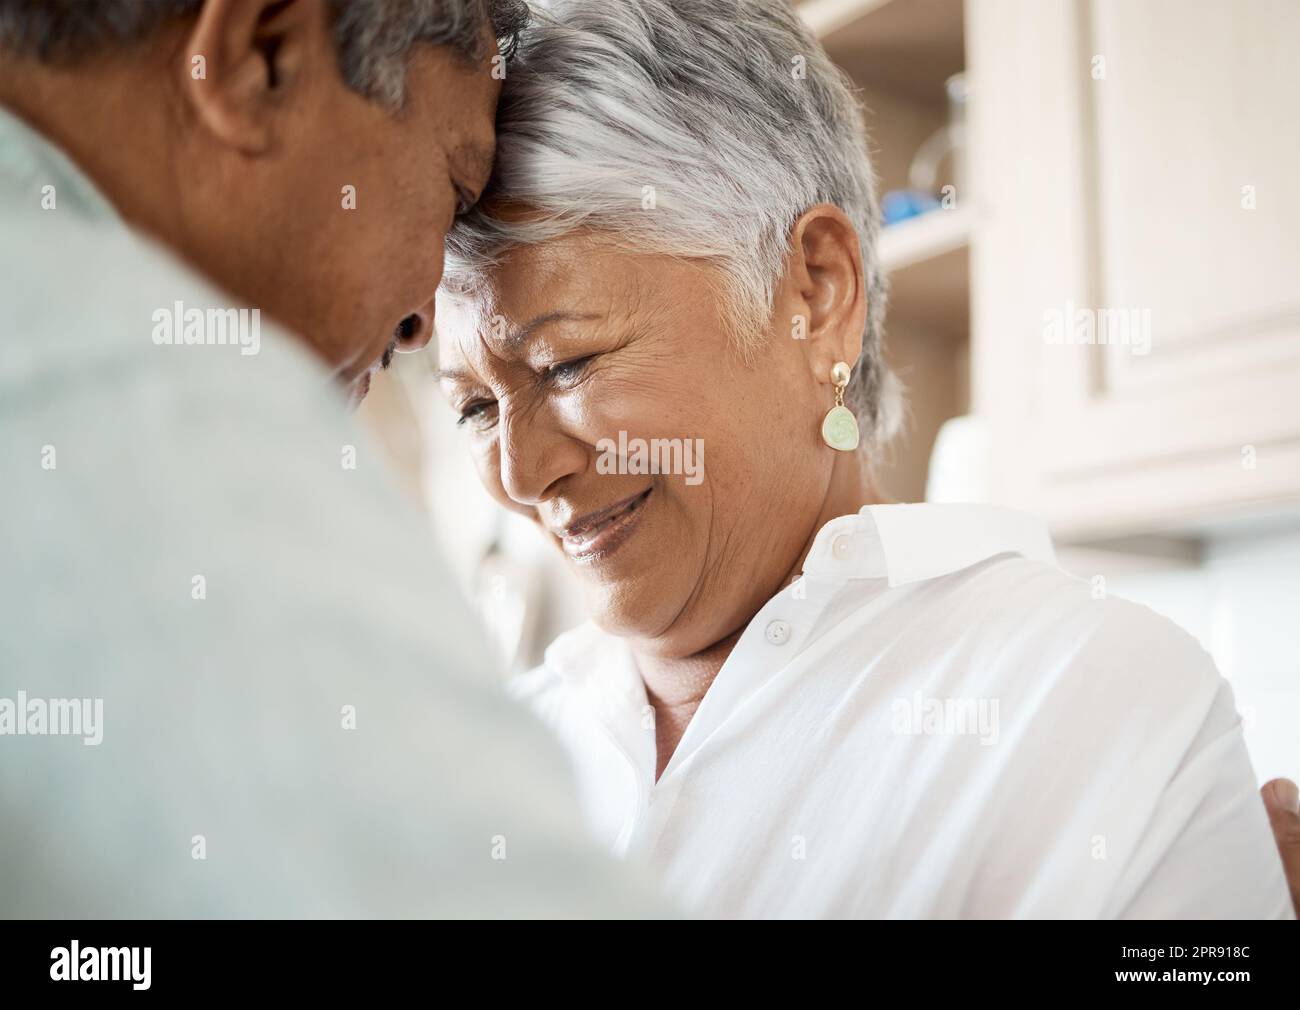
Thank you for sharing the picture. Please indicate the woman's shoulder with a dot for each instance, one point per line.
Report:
(1038, 631)
(1064, 610)
(1015, 627)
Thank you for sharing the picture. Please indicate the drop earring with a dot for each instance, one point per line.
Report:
(840, 427)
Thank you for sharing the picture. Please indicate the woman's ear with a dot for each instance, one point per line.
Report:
(243, 57)
(825, 274)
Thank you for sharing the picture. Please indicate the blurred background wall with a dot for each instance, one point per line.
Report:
(1092, 240)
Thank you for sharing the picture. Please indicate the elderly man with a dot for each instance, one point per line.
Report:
(292, 715)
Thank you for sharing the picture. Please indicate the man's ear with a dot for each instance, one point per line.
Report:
(826, 280)
(243, 57)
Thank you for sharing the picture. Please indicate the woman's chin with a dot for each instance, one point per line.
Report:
(634, 578)
(635, 606)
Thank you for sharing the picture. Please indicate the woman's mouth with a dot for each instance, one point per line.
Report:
(598, 535)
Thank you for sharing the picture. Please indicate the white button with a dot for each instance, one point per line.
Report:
(778, 632)
(842, 547)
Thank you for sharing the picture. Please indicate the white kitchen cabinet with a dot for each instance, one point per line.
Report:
(1138, 162)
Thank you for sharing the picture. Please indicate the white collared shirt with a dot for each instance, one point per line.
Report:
(934, 720)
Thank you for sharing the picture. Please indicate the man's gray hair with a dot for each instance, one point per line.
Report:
(695, 128)
(373, 37)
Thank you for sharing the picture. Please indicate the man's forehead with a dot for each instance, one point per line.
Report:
(471, 115)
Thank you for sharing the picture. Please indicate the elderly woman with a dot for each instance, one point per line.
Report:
(793, 699)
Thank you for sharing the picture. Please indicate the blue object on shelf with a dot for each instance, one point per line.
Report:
(900, 204)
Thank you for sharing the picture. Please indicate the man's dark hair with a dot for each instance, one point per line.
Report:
(373, 37)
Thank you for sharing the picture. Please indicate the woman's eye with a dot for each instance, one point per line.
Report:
(569, 371)
(477, 415)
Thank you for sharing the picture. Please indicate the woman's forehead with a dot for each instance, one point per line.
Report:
(575, 273)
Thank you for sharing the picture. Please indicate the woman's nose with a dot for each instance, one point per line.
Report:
(534, 457)
(414, 331)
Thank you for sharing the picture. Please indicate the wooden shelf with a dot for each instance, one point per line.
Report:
(825, 17)
(925, 237)
(907, 47)
(927, 262)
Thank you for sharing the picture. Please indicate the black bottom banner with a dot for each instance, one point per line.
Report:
(90, 960)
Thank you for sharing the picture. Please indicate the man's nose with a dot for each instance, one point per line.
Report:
(415, 330)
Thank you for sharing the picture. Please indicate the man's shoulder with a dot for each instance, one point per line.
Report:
(195, 462)
(92, 297)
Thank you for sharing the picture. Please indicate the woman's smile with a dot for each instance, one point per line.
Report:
(596, 536)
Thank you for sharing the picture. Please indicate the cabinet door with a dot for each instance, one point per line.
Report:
(1136, 275)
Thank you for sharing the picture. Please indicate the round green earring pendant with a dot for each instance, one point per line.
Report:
(840, 429)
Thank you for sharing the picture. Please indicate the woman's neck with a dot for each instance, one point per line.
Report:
(675, 685)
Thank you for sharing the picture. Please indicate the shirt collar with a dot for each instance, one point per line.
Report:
(899, 543)
(29, 162)
(911, 543)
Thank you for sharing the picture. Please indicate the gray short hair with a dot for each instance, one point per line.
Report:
(728, 112)
(373, 37)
